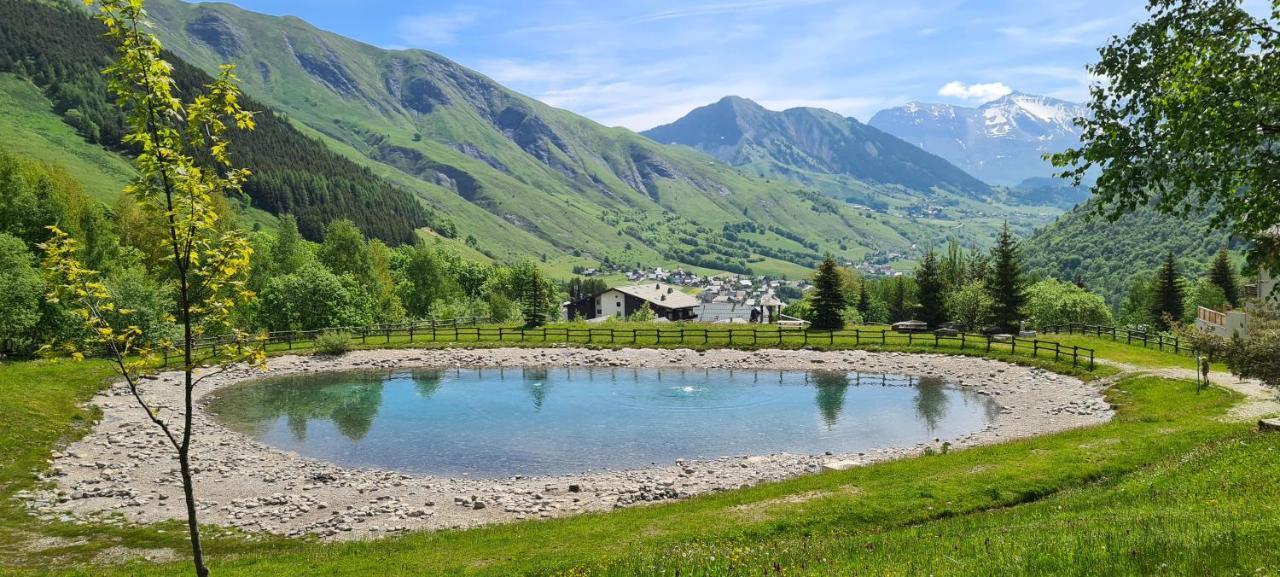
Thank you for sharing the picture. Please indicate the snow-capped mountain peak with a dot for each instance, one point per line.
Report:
(1007, 114)
(1000, 141)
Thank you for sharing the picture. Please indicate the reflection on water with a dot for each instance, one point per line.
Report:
(504, 421)
(831, 386)
(931, 401)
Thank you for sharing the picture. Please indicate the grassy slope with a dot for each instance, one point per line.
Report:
(29, 127)
(1165, 472)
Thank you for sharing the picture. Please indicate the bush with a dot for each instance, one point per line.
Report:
(333, 343)
(1053, 302)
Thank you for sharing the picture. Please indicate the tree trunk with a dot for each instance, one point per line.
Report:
(193, 526)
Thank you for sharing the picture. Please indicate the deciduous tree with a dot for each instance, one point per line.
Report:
(1183, 117)
(184, 172)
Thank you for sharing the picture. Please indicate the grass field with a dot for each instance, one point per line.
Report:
(1165, 488)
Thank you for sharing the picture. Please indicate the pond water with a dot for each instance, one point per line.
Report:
(500, 422)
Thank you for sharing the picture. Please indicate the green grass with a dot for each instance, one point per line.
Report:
(30, 128)
(1166, 482)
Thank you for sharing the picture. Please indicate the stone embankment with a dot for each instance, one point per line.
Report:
(124, 472)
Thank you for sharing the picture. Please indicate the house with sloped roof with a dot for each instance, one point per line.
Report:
(667, 302)
(1235, 323)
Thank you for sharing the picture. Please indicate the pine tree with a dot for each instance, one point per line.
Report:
(864, 299)
(899, 301)
(534, 295)
(1223, 274)
(1006, 284)
(828, 298)
(930, 286)
(1168, 293)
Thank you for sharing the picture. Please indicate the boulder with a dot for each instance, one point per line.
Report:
(838, 465)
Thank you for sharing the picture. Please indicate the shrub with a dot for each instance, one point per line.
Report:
(1053, 302)
(332, 343)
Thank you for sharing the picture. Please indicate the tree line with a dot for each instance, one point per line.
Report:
(345, 279)
(965, 290)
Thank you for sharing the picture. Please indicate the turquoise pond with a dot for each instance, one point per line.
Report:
(499, 422)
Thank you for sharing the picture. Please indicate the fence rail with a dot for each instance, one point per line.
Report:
(1130, 336)
(466, 331)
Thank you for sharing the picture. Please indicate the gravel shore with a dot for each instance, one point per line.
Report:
(124, 472)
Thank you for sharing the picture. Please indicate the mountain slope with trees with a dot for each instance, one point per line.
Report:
(62, 51)
(1109, 257)
(524, 179)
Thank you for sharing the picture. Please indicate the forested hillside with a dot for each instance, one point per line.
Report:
(523, 178)
(62, 51)
(1107, 256)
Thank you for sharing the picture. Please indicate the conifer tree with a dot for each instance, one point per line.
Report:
(1168, 293)
(828, 298)
(864, 299)
(534, 294)
(899, 300)
(1007, 286)
(1223, 274)
(930, 286)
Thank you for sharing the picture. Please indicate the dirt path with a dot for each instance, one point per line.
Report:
(1260, 400)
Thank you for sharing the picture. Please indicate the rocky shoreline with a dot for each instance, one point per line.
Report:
(123, 472)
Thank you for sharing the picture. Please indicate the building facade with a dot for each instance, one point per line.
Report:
(666, 301)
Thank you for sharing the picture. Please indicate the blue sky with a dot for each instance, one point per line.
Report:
(640, 64)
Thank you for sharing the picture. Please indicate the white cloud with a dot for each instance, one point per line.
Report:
(433, 29)
(979, 92)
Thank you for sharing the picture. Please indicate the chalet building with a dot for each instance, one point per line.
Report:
(667, 302)
(1235, 323)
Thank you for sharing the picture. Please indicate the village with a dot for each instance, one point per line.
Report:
(680, 295)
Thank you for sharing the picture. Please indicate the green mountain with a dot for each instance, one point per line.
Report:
(1108, 256)
(525, 179)
(410, 144)
(812, 140)
(62, 52)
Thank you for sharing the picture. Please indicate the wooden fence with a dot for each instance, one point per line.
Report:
(466, 331)
(1130, 336)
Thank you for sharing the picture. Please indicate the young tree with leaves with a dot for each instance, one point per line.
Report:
(828, 296)
(1223, 274)
(183, 173)
(930, 290)
(969, 305)
(1167, 294)
(1007, 286)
